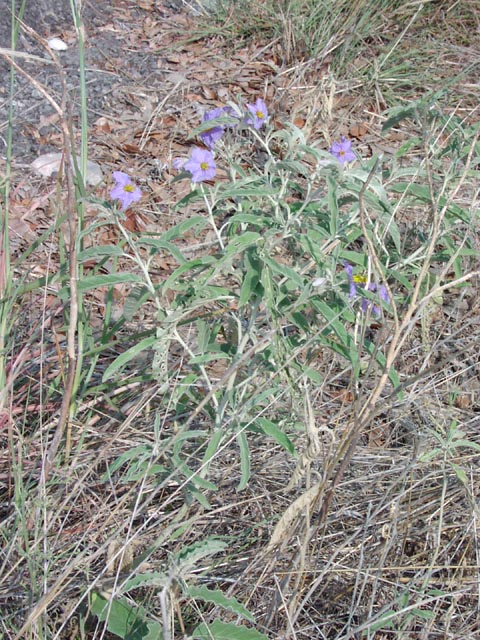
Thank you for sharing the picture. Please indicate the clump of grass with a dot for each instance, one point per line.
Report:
(306, 30)
(278, 450)
(392, 50)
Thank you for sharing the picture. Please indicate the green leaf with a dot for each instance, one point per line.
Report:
(219, 630)
(244, 191)
(401, 278)
(350, 349)
(144, 469)
(212, 448)
(284, 270)
(208, 357)
(393, 230)
(125, 620)
(134, 458)
(385, 622)
(219, 598)
(375, 193)
(354, 257)
(268, 288)
(188, 557)
(429, 455)
(406, 146)
(89, 231)
(192, 476)
(251, 278)
(92, 282)
(460, 473)
(293, 166)
(199, 497)
(422, 193)
(397, 114)
(240, 243)
(374, 351)
(466, 443)
(137, 296)
(206, 125)
(197, 263)
(313, 375)
(424, 614)
(269, 428)
(249, 218)
(333, 205)
(152, 579)
(128, 355)
(244, 460)
(193, 195)
(182, 227)
(100, 252)
(159, 243)
(300, 320)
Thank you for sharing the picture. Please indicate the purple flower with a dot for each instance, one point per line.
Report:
(124, 190)
(258, 114)
(372, 286)
(201, 165)
(366, 304)
(383, 293)
(178, 163)
(349, 270)
(343, 151)
(210, 136)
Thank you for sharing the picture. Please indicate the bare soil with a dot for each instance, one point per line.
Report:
(115, 67)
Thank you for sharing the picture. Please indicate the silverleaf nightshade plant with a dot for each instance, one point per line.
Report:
(124, 190)
(359, 281)
(210, 136)
(201, 165)
(258, 114)
(343, 151)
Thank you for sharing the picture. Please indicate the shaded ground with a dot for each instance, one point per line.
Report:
(115, 67)
(148, 83)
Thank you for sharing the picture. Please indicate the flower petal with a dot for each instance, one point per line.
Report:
(121, 178)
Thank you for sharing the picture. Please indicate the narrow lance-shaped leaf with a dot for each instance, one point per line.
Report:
(244, 460)
(219, 598)
(219, 630)
(125, 620)
(128, 355)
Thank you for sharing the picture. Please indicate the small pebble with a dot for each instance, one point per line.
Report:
(57, 44)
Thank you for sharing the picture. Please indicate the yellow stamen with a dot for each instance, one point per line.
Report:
(129, 188)
(204, 166)
(260, 115)
(360, 279)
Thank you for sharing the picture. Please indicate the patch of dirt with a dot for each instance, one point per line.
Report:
(148, 84)
(113, 65)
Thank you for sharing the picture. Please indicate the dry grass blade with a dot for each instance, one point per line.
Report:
(284, 527)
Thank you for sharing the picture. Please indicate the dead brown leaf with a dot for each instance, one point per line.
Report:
(174, 58)
(209, 93)
(132, 149)
(46, 121)
(151, 27)
(358, 130)
(102, 125)
(299, 122)
(344, 395)
(146, 5)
